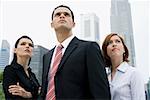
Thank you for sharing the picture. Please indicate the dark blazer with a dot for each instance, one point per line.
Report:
(15, 73)
(81, 73)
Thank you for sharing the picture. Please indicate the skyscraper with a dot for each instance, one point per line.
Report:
(121, 22)
(90, 27)
(148, 90)
(37, 61)
(4, 54)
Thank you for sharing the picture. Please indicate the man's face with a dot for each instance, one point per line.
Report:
(62, 18)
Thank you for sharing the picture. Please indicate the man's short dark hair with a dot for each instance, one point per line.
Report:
(64, 7)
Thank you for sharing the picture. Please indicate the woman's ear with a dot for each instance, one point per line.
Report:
(123, 51)
(15, 50)
(51, 24)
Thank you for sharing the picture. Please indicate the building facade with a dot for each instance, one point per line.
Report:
(36, 63)
(4, 54)
(90, 27)
(121, 22)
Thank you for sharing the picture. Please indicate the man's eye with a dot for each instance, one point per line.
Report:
(57, 14)
(66, 14)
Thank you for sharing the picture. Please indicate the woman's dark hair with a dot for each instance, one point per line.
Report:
(64, 7)
(16, 44)
(104, 49)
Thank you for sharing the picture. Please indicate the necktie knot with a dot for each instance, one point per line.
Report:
(59, 47)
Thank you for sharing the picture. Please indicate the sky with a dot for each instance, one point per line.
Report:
(33, 18)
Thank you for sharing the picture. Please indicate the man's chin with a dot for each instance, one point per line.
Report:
(62, 27)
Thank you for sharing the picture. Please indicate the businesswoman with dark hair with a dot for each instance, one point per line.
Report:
(19, 82)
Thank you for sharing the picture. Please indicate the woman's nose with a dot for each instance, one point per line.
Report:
(27, 45)
(114, 44)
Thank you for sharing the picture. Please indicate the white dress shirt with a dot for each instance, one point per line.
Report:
(127, 84)
(65, 44)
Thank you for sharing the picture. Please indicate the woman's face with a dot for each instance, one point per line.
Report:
(24, 48)
(115, 47)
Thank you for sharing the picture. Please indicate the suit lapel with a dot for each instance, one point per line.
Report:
(71, 47)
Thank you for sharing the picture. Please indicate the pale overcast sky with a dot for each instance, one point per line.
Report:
(33, 17)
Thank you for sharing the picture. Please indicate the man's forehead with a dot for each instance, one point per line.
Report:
(62, 9)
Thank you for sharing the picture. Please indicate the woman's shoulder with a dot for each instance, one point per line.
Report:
(8, 67)
(11, 68)
(131, 69)
(134, 71)
(9, 72)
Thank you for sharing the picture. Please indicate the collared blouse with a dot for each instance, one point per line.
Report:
(127, 84)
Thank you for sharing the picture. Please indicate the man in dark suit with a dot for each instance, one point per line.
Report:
(81, 73)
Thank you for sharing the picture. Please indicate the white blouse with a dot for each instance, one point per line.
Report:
(127, 84)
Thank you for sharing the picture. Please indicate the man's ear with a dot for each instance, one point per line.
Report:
(52, 24)
(74, 24)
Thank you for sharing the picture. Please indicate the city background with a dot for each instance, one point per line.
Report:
(94, 20)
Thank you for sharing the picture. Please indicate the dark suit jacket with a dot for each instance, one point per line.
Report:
(81, 73)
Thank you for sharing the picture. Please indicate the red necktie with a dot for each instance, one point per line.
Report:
(51, 91)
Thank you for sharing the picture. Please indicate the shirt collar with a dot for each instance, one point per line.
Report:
(66, 42)
(123, 67)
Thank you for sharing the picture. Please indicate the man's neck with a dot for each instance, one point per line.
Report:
(61, 36)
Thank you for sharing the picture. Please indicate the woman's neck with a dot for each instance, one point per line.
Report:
(115, 63)
(24, 62)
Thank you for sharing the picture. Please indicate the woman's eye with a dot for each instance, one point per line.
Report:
(23, 43)
(31, 45)
(117, 41)
(110, 42)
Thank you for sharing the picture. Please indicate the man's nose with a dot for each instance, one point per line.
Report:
(62, 15)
